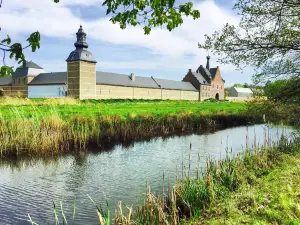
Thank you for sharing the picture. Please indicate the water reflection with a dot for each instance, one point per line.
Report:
(30, 186)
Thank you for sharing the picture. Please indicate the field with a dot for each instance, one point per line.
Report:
(66, 108)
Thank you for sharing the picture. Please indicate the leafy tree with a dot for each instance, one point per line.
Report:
(148, 13)
(246, 85)
(238, 85)
(284, 91)
(267, 38)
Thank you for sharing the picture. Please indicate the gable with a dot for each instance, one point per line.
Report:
(217, 78)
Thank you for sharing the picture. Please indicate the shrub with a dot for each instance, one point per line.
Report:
(1, 92)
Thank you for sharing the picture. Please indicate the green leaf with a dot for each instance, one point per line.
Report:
(7, 40)
(6, 71)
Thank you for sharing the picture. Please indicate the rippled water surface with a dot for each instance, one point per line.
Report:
(120, 174)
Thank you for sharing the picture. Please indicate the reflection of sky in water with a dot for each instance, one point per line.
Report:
(116, 175)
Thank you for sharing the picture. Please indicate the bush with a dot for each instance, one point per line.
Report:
(1, 92)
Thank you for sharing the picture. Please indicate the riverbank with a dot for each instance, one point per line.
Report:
(274, 199)
(231, 190)
(245, 188)
(45, 127)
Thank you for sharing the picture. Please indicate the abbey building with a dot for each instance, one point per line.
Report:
(83, 81)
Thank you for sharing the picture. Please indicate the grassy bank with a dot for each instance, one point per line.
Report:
(273, 199)
(40, 127)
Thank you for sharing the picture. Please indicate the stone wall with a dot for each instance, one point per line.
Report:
(205, 92)
(117, 92)
(81, 80)
(15, 91)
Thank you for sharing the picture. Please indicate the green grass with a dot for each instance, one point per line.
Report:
(10, 108)
(274, 199)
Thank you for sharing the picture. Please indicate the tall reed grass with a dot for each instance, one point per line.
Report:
(52, 134)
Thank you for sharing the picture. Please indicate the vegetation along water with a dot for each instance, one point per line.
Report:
(39, 127)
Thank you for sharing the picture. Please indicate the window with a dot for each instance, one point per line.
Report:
(213, 86)
(19, 81)
(202, 94)
(24, 80)
(206, 94)
(221, 87)
(217, 86)
(209, 88)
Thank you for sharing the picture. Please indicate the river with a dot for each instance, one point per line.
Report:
(115, 175)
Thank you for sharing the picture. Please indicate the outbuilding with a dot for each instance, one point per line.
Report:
(240, 92)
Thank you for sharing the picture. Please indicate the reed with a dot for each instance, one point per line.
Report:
(52, 134)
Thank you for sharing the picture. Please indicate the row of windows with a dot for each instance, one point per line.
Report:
(15, 80)
(207, 88)
(213, 86)
(206, 94)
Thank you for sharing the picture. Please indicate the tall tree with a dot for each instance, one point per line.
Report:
(267, 38)
(148, 13)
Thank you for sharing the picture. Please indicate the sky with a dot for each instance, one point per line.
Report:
(162, 54)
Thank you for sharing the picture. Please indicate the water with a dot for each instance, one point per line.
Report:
(119, 174)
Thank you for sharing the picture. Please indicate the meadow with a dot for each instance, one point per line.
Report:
(11, 108)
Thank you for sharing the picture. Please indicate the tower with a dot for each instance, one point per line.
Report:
(81, 71)
(207, 63)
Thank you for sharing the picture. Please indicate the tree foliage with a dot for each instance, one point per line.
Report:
(147, 13)
(267, 38)
(284, 91)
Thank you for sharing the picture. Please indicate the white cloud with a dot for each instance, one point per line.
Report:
(57, 20)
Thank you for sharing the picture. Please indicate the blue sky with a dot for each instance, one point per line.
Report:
(161, 54)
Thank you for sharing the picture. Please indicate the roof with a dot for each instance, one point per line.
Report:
(24, 71)
(117, 80)
(175, 85)
(81, 54)
(124, 80)
(50, 78)
(213, 72)
(31, 65)
(200, 78)
(5, 80)
(205, 73)
(243, 90)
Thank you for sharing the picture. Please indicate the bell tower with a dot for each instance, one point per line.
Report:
(81, 71)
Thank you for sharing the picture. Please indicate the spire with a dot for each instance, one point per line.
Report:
(207, 63)
(81, 39)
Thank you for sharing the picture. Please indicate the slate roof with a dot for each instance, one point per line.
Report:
(23, 71)
(31, 65)
(5, 80)
(200, 78)
(81, 54)
(205, 73)
(213, 72)
(50, 78)
(175, 85)
(117, 80)
(124, 80)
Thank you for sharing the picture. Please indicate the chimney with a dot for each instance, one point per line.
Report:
(207, 63)
(132, 76)
(190, 70)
